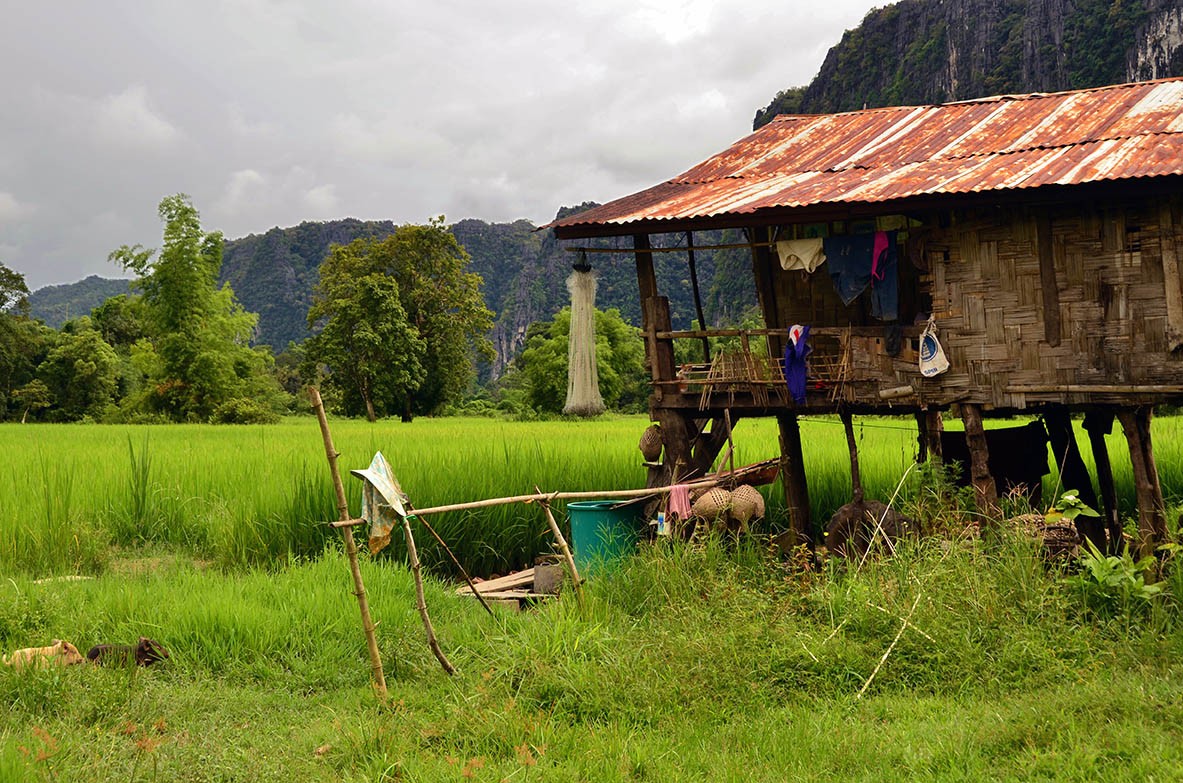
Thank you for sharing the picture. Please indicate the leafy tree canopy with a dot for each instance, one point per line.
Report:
(402, 320)
(620, 363)
(197, 356)
(13, 291)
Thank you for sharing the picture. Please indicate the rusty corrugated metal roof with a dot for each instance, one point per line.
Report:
(1004, 142)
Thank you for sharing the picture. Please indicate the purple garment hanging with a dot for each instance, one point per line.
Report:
(795, 353)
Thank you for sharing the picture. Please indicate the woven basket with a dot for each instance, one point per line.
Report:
(712, 503)
(746, 504)
(650, 444)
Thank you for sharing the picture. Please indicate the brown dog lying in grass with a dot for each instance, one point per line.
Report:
(57, 654)
(144, 653)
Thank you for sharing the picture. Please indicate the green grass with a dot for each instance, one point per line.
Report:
(689, 663)
(76, 495)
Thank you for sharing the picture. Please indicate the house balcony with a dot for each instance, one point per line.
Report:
(866, 369)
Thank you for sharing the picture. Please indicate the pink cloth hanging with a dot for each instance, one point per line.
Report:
(877, 250)
(680, 501)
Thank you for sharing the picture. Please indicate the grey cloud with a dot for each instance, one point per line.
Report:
(268, 113)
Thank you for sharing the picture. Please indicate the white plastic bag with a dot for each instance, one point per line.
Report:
(932, 357)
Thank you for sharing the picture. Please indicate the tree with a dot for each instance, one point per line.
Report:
(198, 333)
(80, 372)
(23, 341)
(373, 354)
(13, 291)
(620, 362)
(32, 397)
(439, 323)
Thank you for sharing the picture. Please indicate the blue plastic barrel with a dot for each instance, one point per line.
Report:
(602, 532)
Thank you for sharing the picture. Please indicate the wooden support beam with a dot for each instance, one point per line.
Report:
(856, 483)
(1098, 424)
(762, 268)
(1152, 527)
(702, 321)
(793, 477)
(1047, 278)
(677, 436)
(934, 425)
(1073, 472)
(1171, 276)
(985, 493)
(646, 276)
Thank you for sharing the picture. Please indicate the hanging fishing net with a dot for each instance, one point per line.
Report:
(583, 382)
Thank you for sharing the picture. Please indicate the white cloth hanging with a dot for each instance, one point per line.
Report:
(805, 254)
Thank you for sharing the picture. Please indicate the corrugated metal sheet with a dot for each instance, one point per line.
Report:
(1006, 142)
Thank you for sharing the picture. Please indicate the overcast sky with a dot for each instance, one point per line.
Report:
(270, 113)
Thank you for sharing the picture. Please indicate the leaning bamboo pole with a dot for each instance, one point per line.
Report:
(359, 588)
(421, 602)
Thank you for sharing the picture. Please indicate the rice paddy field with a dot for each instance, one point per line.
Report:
(955, 659)
(241, 496)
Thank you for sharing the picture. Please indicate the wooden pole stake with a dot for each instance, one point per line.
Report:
(421, 602)
(985, 493)
(359, 588)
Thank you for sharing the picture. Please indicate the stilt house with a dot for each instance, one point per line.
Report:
(1039, 236)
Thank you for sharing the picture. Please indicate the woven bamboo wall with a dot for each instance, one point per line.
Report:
(988, 300)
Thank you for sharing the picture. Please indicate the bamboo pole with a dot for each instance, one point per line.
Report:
(568, 559)
(359, 588)
(539, 497)
(421, 602)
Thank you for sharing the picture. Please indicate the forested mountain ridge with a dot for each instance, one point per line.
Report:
(935, 51)
(56, 304)
(524, 274)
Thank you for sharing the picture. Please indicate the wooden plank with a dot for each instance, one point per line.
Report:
(520, 579)
(1047, 279)
(1171, 278)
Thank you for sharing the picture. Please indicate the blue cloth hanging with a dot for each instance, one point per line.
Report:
(796, 349)
(849, 261)
(885, 279)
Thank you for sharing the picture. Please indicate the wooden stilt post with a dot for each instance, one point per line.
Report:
(1073, 472)
(985, 493)
(1152, 527)
(934, 426)
(1098, 424)
(856, 483)
(702, 323)
(359, 588)
(921, 437)
(792, 473)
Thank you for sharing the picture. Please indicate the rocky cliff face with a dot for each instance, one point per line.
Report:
(933, 51)
(1158, 48)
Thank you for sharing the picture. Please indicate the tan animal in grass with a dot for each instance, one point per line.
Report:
(59, 653)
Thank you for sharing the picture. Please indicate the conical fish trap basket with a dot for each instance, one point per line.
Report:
(712, 503)
(746, 504)
(650, 444)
